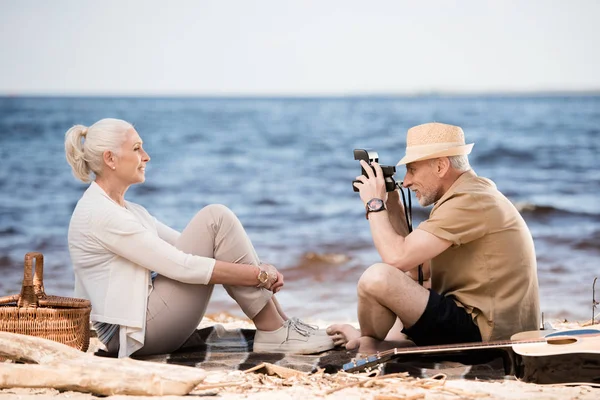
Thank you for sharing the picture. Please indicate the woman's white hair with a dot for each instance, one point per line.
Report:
(84, 147)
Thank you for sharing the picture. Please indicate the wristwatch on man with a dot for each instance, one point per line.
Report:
(374, 205)
(263, 277)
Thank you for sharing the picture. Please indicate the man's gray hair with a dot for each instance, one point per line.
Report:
(460, 163)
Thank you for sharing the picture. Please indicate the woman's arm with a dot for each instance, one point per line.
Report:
(128, 238)
(166, 233)
(245, 275)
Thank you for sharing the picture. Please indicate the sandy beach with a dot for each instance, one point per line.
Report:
(392, 389)
(234, 384)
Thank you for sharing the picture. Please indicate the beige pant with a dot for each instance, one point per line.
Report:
(174, 308)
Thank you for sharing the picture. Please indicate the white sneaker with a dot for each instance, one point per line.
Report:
(291, 338)
(312, 328)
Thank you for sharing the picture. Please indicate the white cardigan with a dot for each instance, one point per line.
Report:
(113, 249)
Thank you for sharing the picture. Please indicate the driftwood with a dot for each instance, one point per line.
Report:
(64, 368)
(278, 370)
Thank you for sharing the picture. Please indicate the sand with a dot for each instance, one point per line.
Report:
(227, 384)
(264, 387)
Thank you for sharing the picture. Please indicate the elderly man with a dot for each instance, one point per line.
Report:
(475, 248)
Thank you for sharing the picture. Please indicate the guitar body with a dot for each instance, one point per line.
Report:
(571, 356)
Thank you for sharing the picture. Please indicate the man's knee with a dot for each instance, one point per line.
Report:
(375, 279)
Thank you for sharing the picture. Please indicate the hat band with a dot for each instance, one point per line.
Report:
(430, 148)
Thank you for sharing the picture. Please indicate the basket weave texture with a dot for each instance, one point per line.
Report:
(62, 319)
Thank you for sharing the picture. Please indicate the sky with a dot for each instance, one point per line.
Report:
(302, 47)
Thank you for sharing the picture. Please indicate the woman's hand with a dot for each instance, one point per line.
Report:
(275, 281)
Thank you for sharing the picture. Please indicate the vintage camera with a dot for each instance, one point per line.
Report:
(388, 170)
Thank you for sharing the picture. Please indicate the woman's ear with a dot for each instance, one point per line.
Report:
(109, 159)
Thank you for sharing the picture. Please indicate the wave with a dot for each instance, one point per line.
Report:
(503, 154)
(591, 242)
(537, 210)
(526, 207)
(9, 231)
(319, 267)
(6, 263)
(325, 258)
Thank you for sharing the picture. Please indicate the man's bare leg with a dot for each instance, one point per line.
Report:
(385, 295)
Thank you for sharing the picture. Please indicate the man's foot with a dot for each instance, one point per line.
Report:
(344, 335)
(367, 345)
(292, 338)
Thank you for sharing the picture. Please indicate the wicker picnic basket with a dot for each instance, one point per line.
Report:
(33, 312)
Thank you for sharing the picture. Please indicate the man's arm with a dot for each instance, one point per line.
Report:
(404, 253)
(414, 273)
(397, 218)
(396, 213)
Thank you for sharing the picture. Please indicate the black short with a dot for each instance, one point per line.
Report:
(443, 322)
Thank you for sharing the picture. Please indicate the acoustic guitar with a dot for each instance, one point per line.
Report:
(558, 356)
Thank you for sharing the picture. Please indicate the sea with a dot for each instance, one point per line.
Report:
(285, 166)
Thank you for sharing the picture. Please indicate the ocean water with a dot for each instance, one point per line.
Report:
(285, 166)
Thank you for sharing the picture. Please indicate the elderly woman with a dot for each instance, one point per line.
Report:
(149, 284)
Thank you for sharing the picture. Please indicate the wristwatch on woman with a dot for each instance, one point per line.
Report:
(263, 277)
(374, 205)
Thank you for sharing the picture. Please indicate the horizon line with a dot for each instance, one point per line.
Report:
(431, 93)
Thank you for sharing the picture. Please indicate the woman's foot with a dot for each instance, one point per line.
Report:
(292, 338)
(344, 335)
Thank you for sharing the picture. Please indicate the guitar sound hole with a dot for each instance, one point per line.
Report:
(561, 340)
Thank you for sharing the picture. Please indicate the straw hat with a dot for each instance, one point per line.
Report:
(434, 140)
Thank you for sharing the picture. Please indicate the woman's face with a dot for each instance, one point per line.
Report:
(130, 162)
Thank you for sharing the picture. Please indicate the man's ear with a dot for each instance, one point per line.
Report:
(442, 166)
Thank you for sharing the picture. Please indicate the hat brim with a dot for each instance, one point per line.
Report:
(453, 151)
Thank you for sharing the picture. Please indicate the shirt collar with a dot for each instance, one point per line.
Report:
(465, 176)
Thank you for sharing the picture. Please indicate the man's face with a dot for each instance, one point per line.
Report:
(421, 178)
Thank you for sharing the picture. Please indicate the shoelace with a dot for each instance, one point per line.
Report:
(292, 324)
(304, 325)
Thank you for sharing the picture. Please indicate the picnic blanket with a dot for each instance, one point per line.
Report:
(215, 347)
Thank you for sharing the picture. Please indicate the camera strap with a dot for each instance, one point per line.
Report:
(408, 216)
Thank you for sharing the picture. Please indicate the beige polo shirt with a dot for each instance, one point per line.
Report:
(490, 268)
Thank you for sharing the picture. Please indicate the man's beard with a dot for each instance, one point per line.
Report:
(428, 198)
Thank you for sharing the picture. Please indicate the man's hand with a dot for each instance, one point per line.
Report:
(373, 185)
